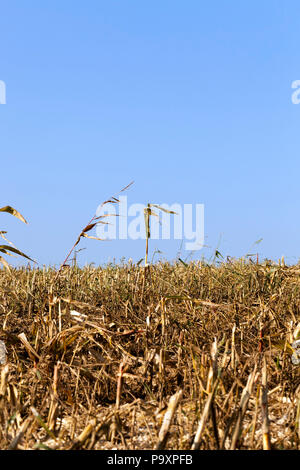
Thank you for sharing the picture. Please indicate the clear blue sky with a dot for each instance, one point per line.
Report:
(191, 100)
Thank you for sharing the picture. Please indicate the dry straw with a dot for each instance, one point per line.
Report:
(95, 355)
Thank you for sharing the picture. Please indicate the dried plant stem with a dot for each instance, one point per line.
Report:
(264, 408)
(84, 435)
(91, 224)
(213, 370)
(215, 426)
(233, 352)
(161, 375)
(115, 418)
(164, 430)
(40, 421)
(242, 409)
(255, 415)
(179, 354)
(53, 410)
(122, 369)
(15, 442)
(31, 352)
(297, 423)
(204, 417)
(213, 378)
(4, 377)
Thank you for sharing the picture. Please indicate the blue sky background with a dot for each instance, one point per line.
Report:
(191, 100)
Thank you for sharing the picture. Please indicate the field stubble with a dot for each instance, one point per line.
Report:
(168, 356)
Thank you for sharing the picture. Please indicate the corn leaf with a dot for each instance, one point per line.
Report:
(184, 264)
(4, 263)
(5, 248)
(88, 228)
(94, 238)
(163, 209)
(13, 212)
(126, 187)
(6, 252)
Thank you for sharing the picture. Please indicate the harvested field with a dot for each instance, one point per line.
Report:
(174, 356)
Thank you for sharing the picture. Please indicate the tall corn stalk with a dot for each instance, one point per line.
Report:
(95, 220)
(148, 212)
